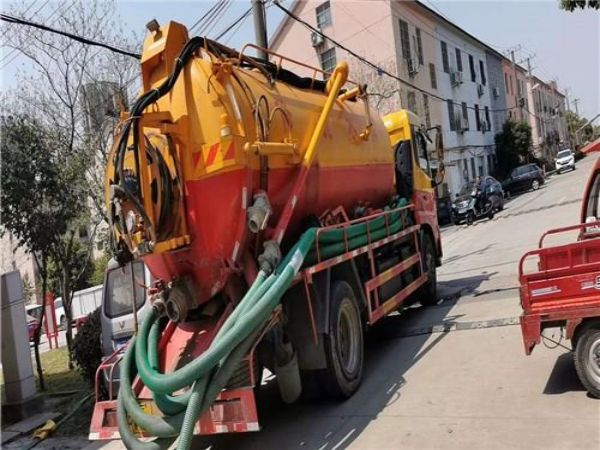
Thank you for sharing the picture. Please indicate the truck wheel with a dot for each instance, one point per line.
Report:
(428, 293)
(344, 346)
(587, 360)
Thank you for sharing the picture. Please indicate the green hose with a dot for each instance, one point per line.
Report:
(206, 376)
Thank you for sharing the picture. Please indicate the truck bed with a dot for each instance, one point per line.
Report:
(565, 288)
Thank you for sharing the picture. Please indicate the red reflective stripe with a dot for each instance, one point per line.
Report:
(212, 154)
(230, 152)
(196, 157)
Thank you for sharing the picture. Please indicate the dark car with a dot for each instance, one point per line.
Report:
(464, 204)
(523, 178)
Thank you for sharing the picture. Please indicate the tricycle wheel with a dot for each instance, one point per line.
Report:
(344, 347)
(587, 360)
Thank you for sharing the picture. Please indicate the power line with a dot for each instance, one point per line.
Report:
(83, 40)
(218, 16)
(379, 70)
(204, 16)
(238, 21)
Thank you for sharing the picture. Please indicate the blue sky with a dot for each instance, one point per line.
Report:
(566, 45)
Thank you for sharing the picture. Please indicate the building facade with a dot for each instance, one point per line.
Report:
(450, 78)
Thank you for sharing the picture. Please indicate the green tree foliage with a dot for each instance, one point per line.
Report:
(572, 5)
(97, 276)
(35, 187)
(586, 134)
(87, 351)
(513, 146)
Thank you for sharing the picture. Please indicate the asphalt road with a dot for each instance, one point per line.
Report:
(469, 388)
(452, 376)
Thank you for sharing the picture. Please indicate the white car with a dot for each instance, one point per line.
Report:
(565, 159)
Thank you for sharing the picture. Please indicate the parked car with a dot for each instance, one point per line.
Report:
(565, 159)
(444, 210)
(32, 324)
(464, 204)
(523, 178)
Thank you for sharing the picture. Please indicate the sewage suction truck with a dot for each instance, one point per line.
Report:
(280, 219)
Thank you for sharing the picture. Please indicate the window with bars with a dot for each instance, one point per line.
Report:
(432, 75)
(477, 118)
(328, 60)
(452, 122)
(473, 167)
(445, 62)
(482, 70)
(472, 68)
(487, 118)
(465, 115)
(419, 47)
(404, 40)
(459, 65)
(411, 101)
(426, 110)
(323, 15)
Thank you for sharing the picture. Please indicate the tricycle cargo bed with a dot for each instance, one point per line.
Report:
(565, 288)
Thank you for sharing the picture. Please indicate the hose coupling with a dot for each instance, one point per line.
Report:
(159, 304)
(259, 212)
(270, 257)
(180, 300)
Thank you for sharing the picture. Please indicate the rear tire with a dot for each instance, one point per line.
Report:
(535, 185)
(587, 360)
(428, 293)
(470, 218)
(344, 344)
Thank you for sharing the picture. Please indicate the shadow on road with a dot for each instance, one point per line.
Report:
(323, 424)
(563, 377)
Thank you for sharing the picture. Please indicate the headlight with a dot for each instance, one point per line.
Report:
(463, 204)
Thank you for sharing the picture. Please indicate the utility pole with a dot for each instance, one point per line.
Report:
(514, 68)
(260, 28)
(576, 102)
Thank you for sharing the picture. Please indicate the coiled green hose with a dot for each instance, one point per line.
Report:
(205, 377)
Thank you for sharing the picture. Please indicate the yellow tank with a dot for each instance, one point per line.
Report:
(229, 134)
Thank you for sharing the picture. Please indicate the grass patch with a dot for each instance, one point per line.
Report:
(59, 378)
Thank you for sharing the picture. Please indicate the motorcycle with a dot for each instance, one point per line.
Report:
(475, 207)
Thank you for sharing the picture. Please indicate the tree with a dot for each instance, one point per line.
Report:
(35, 187)
(587, 131)
(513, 146)
(73, 89)
(572, 5)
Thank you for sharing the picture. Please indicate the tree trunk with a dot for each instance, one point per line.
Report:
(38, 330)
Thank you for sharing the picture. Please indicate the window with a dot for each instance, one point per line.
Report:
(487, 118)
(404, 40)
(432, 76)
(482, 70)
(426, 110)
(506, 82)
(445, 63)
(459, 65)
(465, 115)
(473, 167)
(419, 47)
(328, 60)
(477, 118)
(421, 149)
(119, 293)
(592, 212)
(412, 102)
(480, 166)
(465, 165)
(472, 68)
(451, 115)
(512, 88)
(323, 15)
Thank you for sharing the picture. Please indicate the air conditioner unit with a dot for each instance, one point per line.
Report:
(316, 39)
(496, 92)
(484, 126)
(456, 78)
(413, 66)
